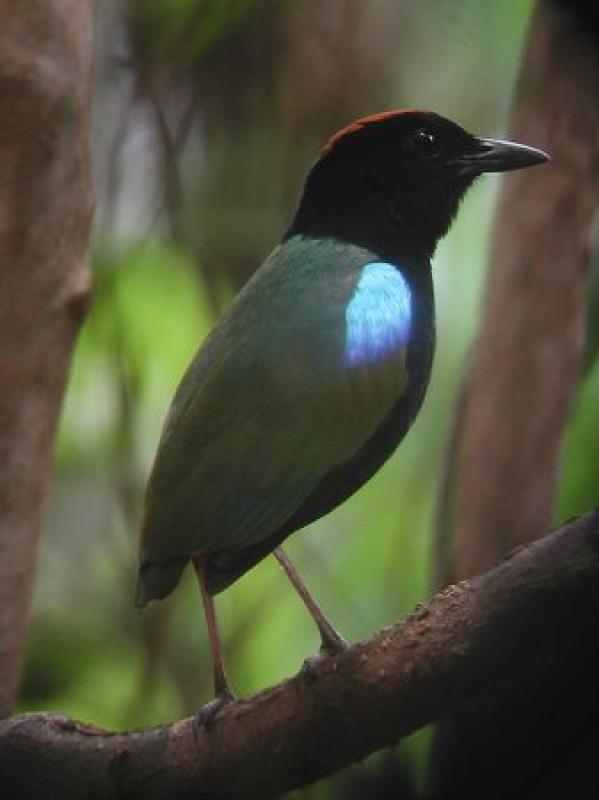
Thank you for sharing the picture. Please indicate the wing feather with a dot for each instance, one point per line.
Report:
(271, 405)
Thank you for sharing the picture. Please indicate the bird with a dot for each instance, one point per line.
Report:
(314, 374)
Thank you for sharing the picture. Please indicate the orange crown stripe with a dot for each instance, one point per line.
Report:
(362, 122)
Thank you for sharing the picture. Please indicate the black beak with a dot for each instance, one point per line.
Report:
(495, 155)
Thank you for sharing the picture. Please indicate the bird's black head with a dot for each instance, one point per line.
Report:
(393, 181)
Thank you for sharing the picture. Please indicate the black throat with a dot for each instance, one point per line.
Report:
(389, 215)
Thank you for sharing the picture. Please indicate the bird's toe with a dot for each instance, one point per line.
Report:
(208, 713)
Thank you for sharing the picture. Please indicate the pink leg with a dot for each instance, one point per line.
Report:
(222, 689)
(331, 641)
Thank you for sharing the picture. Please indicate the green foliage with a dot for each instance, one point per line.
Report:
(578, 488)
(580, 460)
(592, 327)
(148, 316)
(67, 668)
(184, 29)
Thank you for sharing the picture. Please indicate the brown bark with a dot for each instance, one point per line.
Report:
(526, 362)
(45, 212)
(470, 640)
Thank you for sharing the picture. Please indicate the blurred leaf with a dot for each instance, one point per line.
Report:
(148, 318)
(182, 29)
(592, 331)
(579, 489)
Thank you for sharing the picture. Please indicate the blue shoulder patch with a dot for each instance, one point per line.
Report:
(379, 315)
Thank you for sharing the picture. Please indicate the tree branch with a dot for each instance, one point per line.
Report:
(472, 638)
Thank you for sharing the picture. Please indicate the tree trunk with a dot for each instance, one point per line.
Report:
(45, 213)
(532, 735)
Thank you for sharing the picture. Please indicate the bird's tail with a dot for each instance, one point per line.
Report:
(155, 581)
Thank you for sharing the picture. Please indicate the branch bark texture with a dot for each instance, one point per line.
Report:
(45, 212)
(526, 362)
(472, 638)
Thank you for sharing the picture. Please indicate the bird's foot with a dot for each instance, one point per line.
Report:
(331, 646)
(206, 716)
(309, 671)
(331, 643)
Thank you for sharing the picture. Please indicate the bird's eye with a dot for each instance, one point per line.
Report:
(426, 143)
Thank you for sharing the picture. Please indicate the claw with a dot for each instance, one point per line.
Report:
(308, 668)
(207, 714)
(332, 644)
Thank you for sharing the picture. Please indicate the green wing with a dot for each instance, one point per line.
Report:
(267, 408)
